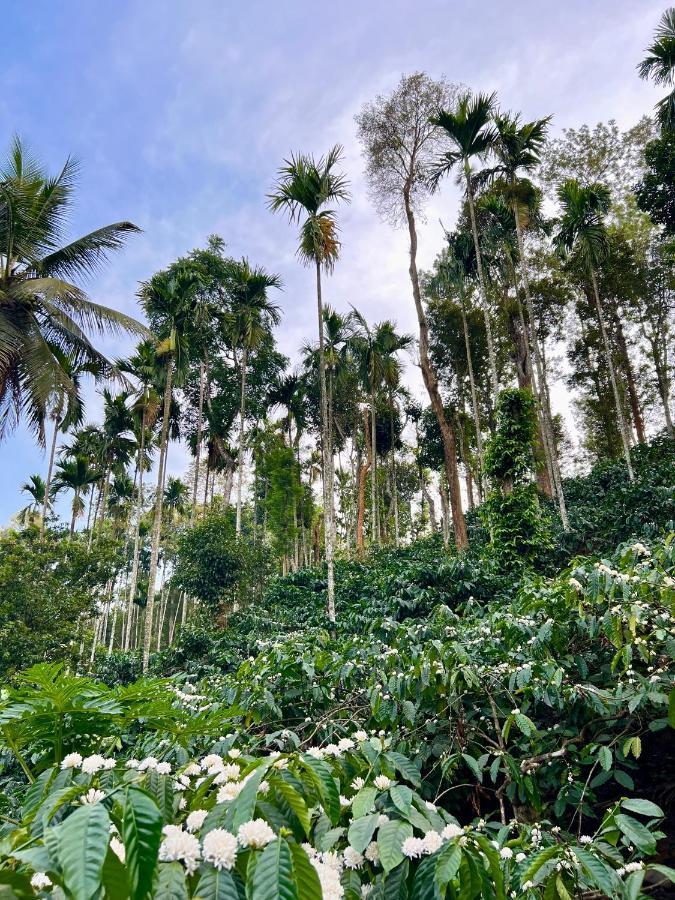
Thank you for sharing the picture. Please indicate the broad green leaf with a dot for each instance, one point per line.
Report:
(243, 807)
(82, 847)
(171, 882)
(216, 884)
(390, 837)
(401, 797)
(296, 803)
(425, 886)
(361, 831)
(325, 783)
(363, 802)
(448, 863)
(306, 879)
(636, 833)
(605, 757)
(642, 807)
(599, 873)
(273, 876)
(142, 830)
(405, 767)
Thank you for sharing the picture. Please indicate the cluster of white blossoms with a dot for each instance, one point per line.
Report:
(149, 764)
(90, 765)
(328, 867)
(432, 841)
(218, 847)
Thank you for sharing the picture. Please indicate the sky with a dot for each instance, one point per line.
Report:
(181, 113)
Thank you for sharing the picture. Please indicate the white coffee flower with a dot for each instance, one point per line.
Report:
(234, 753)
(92, 796)
(585, 839)
(521, 857)
(360, 736)
(358, 783)
(413, 847)
(506, 853)
(40, 881)
(383, 783)
(229, 791)
(255, 833)
(220, 848)
(451, 831)
(93, 764)
(352, 858)
(211, 761)
(180, 846)
(345, 744)
(71, 761)
(196, 819)
(118, 849)
(372, 853)
(432, 841)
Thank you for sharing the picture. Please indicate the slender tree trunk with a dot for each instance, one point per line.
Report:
(633, 398)
(242, 419)
(445, 509)
(542, 393)
(93, 524)
(48, 483)
(327, 456)
(137, 537)
(74, 515)
(363, 474)
(431, 384)
(474, 402)
(375, 525)
(198, 448)
(483, 286)
(612, 375)
(394, 487)
(157, 522)
(113, 625)
(430, 503)
(104, 498)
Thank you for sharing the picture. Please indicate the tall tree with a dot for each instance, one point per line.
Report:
(44, 314)
(659, 65)
(582, 229)
(168, 299)
(471, 134)
(74, 474)
(400, 144)
(250, 319)
(304, 189)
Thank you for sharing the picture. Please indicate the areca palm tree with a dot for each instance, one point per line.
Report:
(44, 314)
(471, 135)
(249, 321)
(518, 149)
(305, 189)
(659, 65)
(175, 497)
(75, 474)
(37, 488)
(375, 349)
(582, 229)
(169, 298)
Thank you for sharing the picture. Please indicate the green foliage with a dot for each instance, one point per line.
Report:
(216, 566)
(46, 586)
(508, 455)
(655, 193)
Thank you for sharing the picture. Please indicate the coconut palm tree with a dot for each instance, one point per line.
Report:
(37, 488)
(471, 134)
(375, 350)
(249, 320)
(659, 65)
(44, 314)
(169, 299)
(582, 229)
(74, 473)
(304, 190)
(518, 149)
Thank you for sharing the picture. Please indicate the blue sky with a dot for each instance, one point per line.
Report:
(181, 112)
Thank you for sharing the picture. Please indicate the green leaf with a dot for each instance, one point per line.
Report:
(633, 884)
(605, 757)
(401, 797)
(405, 766)
(642, 807)
(473, 765)
(306, 879)
(15, 885)
(538, 860)
(663, 870)
(323, 778)
(449, 860)
(296, 803)
(390, 837)
(160, 788)
(142, 830)
(82, 847)
(636, 833)
(273, 876)
(600, 874)
(361, 831)
(425, 885)
(171, 882)
(363, 802)
(243, 807)
(216, 884)
(394, 884)
(114, 877)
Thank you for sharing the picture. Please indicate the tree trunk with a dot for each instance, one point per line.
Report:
(633, 398)
(363, 474)
(74, 515)
(541, 394)
(474, 403)
(198, 448)
(483, 288)
(157, 522)
(375, 524)
(242, 419)
(431, 384)
(445, 509)
(45, 505)
(394, 487)
(327, 456)
(137, 537)
(612, 376)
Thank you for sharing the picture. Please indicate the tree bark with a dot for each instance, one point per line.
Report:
(612, 376)
(198, 448)
(242, 419)
(374, 511)
(327, 456)
(137, 537)
(474, 403)
(45, 505)
(363, 474)
(394, 487)
(157, 522)
(431, 384)
(633, 398)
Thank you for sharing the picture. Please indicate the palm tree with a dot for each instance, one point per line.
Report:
(472, 135)
(37, 488)
(305, 187)
(518, 149)
(248, 322)
(117, 445)
(582, 229)
(375, 349)
(44, 315)
(659, 65)
(168, 299)
(175, 497)
(75, 474)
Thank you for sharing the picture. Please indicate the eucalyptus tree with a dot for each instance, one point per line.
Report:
(400, 144)
(518, 149)
(249, 320)
(659, 66)
(304, 190)
(582, 229)
(470, 132)
(168, 298)
(74, 473)
(375, 350)
(44, 314)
